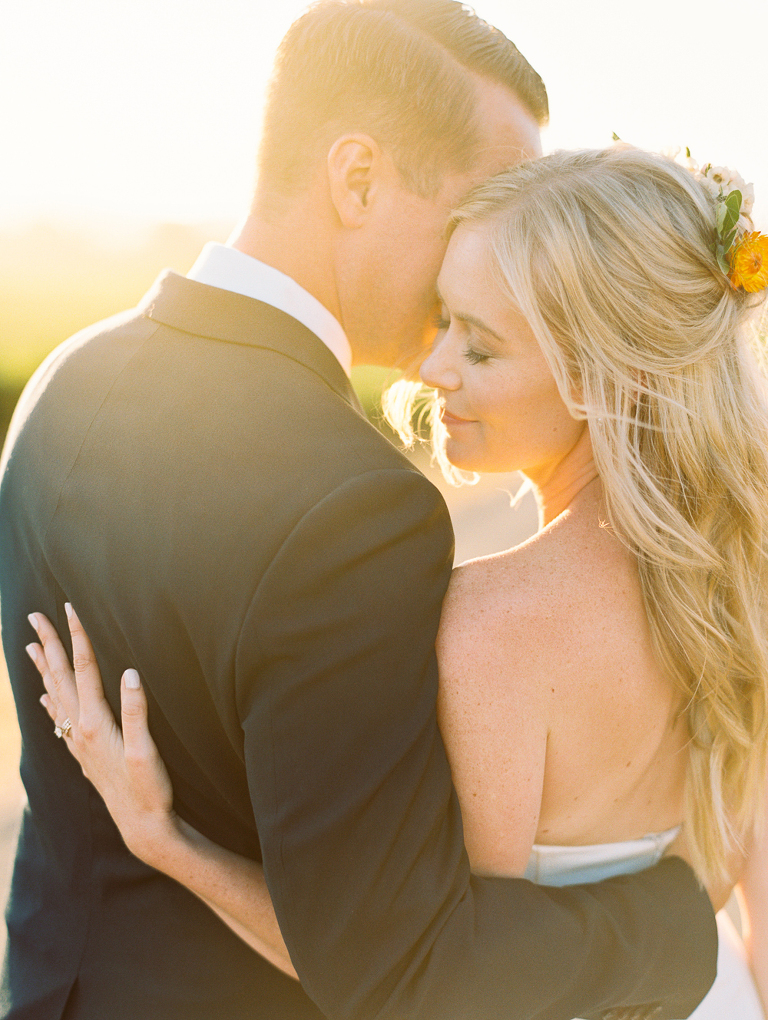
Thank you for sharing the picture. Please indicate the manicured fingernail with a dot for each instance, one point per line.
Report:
(33, 620)
(132, 680)
(32, 653)
(44, 700)
(68, 610)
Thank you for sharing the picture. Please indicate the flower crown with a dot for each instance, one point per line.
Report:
(741, 253)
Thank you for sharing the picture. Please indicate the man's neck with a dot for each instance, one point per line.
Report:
(297, 245)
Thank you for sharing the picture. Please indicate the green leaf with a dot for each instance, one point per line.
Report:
(733, 205)
(615, 137)
(728, 210)
(729, 239)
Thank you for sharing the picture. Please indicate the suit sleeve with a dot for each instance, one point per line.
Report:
(358, 821)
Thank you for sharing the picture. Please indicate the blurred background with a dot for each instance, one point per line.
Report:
(130, 137)
(131, 128)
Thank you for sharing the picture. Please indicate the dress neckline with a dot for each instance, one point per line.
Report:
(656, 838)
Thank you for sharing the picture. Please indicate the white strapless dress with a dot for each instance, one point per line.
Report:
(733, 995)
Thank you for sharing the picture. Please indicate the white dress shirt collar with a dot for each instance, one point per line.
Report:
(230, 269)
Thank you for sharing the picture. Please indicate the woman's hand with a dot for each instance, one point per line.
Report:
(127, 770)
(126, 767)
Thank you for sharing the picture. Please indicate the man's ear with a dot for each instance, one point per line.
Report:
(354, 170)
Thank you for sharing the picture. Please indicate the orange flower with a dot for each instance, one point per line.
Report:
(748, 260)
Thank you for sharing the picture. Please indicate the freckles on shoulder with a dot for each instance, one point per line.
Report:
(512, 632)
(471, 601)
(490, 603)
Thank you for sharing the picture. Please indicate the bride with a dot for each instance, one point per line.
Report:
(604, 685)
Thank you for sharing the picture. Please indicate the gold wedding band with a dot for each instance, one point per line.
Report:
(63, 730)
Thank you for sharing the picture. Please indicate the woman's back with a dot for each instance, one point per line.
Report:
(560, 724)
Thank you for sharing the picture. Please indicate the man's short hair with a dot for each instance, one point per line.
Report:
(393, 69)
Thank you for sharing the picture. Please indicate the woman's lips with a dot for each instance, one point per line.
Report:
(450, 420)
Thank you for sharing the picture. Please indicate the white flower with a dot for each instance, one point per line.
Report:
(690, 164)
(721, 175)
(673, 151)
(720, 181)
(712, 186)
(728, 180)
(747, 199)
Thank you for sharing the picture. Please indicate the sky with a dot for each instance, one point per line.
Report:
(120, 113)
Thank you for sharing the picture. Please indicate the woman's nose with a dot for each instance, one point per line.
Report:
(436, 369)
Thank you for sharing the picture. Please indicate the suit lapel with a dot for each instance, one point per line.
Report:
(223, 315)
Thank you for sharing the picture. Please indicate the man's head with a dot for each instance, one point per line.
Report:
(389, 111)
(395, 69)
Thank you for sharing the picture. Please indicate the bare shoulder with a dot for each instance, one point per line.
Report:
(489, 598)
(535, 645)
(561, 597)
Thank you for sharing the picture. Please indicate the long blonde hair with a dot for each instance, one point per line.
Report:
(610, 256)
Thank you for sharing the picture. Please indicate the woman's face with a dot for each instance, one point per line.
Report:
(498, 398)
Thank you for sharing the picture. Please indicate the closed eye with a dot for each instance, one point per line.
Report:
(476, 357)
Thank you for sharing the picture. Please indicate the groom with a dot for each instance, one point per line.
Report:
(197, 478)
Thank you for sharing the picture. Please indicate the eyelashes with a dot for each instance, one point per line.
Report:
(442, 323)
(475, 357)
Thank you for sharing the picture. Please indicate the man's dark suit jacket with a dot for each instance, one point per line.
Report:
(196, 477)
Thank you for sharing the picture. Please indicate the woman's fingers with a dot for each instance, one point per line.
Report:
(62, 723)
(50, 699)
(77, 694)
(90, 690)
(149, 780)
(126, 767)
(133, 703)
(75, 699)
(53, 664)
(48, 704)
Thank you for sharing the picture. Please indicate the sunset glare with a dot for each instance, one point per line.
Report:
(122, 114)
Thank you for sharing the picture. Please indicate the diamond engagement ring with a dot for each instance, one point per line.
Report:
(63, 730)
